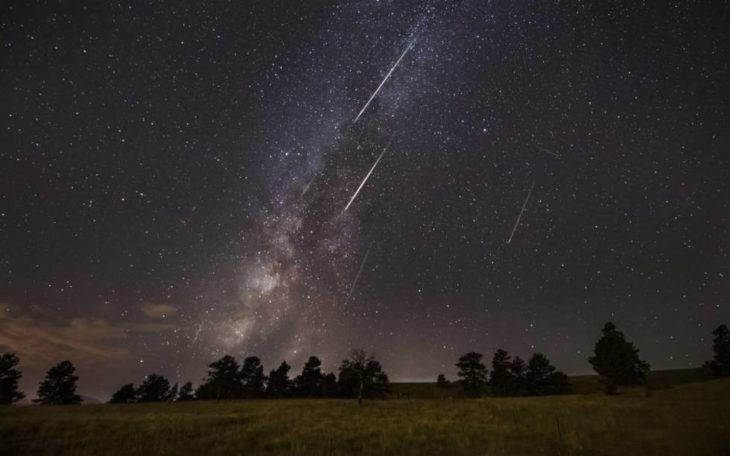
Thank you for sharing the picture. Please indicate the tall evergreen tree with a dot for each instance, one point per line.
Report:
(155, 388)
(279, 384)
(541, 378)
(186, 392)
(330, 388)
(309, 382)
(442, 381)
(501, 381)
(617, 361)
(126, 394)
(9, 377)
(223, 380)
(473, 374)
(517, 369)
(252, 376)
(59, 386)
(720, 364)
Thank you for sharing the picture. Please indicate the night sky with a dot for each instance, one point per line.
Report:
(174, 177)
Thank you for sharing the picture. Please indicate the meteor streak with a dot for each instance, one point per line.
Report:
(306, 187)
(197, 333)
(522, 211)
(366, 177)
(359, 271)
(408, 48)
(547, 151)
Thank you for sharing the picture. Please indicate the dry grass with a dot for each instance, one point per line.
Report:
(688, 419)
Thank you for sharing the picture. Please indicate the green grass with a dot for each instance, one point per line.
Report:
(684, 420)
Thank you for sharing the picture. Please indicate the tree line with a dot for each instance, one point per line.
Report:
(509, 377)
(360, 376)
(615, 359)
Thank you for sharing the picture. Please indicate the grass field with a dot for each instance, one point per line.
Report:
(684, 420)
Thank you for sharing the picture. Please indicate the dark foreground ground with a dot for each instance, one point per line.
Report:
(688, 419)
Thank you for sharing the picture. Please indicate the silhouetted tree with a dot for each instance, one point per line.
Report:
(541, 378)
(501, 381)
(517, 368)
(362, 376)
(252, 376)
(9, 377)
(309, 382)
(442, 381)
(124, 395)
(186, 392)
(279, 384)
(223, 381)
(473, 374)
(330, 388)
(617, 361)
(720, 364)
(155, 388)
(59, 386)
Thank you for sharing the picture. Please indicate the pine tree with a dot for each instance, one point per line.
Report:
(330, 388)
(125, 395)
(223, 381)
(541, 378)
(59, 386)
(617, 361)
(518, 369)
(473, 374)
(501, 381)
(279, 384)
(442, 381)
(155, 388)
(9, 377)
(720, 365)
(309, 382)
(252, 376)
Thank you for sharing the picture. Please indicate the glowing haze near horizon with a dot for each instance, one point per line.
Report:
(174, 178)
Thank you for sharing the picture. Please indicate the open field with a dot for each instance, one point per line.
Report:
(684, 420)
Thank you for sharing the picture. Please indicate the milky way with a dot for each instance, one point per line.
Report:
(173, 177)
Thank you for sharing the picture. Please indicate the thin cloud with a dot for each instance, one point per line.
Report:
(154, 310)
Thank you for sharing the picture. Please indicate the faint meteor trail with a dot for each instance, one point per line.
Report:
(366, 177)
(547, 151)
(306, 187)
(408, 48)
(359, 271)
(522, 211)
(197, 333)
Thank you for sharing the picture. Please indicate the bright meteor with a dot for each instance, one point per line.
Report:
(408, 48)
(366, 177)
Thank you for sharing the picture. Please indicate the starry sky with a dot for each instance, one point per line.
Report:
(175, 179)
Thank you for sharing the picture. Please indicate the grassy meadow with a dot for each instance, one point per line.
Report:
(686, 419)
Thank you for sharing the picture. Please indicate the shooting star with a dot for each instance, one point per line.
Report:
(547, 151)
(306, 187)
(197, 333)
(366, 177)
(408, 48)
(359, 271)
(522, 211)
